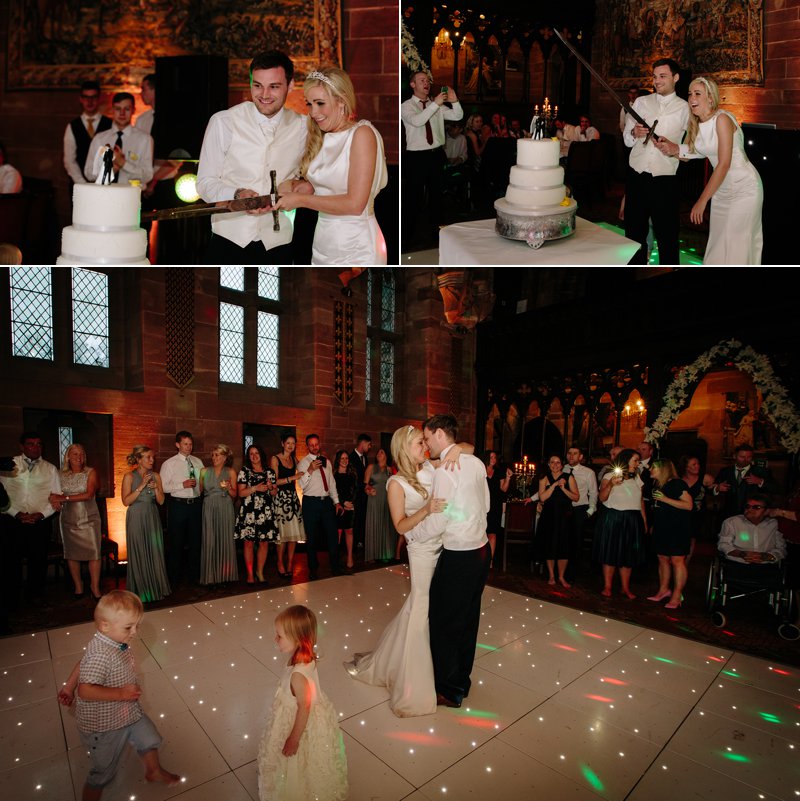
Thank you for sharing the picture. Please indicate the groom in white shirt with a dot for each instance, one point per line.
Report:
(457, 586)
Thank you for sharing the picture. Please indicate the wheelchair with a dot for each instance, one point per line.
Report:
(728, 581)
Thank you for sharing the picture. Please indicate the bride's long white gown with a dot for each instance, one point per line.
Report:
(401, 662)
(339, 238)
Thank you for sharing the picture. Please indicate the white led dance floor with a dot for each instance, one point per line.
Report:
(564, 705)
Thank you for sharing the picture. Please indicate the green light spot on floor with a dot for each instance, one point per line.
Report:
(729, 673)
(486, 647)
(769, 717)
(663, 659)
(735, 757)
(592, 778)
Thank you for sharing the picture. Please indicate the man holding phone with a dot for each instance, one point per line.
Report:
(320, 506)
(423, 161)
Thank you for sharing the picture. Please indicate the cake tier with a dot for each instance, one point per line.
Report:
(535, 198)
(106, 207)
(545, 178)
(538, 152)
(103, 247)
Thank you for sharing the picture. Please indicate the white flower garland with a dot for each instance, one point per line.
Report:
(777, 405)
(409, 50)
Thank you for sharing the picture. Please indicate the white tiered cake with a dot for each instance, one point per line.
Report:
(536, 206)
(105, 226)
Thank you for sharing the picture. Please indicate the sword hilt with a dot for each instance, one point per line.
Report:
(651, 133)
(273, 197)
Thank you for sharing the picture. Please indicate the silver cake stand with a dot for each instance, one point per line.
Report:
(535, 227)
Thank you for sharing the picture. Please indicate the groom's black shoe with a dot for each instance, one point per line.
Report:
(443, 700)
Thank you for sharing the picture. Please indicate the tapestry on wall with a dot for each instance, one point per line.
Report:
(54, 44)
(720, 40)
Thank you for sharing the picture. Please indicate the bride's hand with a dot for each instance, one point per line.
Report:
(450, 461)
(288, 202)
(436, 505)
(302, 187)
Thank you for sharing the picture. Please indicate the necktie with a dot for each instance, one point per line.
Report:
(324, 478)
(428, 129)
(90, 128)
(739, 472)
(190, 466)
(31, 463)
(118, 144)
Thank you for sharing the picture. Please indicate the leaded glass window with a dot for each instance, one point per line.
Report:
(232, 277)
(368, 382)
(387, 301)
(64, 441)
(31, 313)
(269, 283)
(89, 317)
(387, 372)
(369, 297)
(267, 356)
(231, 343)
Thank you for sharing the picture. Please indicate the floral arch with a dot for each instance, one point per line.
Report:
(776, 402)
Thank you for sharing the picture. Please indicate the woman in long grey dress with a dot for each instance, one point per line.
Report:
(380, 536)
(218, 551)
(79, 520)
(141, 491)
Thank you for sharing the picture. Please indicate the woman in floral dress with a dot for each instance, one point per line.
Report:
(256, 520)
(288, 514)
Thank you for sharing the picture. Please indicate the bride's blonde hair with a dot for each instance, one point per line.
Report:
(337, 85)
(406, 466)
(693, 128)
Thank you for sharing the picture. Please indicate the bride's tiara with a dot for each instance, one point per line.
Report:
(318, 76)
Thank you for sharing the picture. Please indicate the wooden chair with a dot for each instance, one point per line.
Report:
(520, 519)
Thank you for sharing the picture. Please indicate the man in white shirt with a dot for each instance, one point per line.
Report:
(424, 158)
(457, 586)
(80, 131)
(586, 505)
(10, 178)
(180, 477)
(240, 147)
(133, 149)
(651, 190)
(586, 131)
(320, 506)
(27, 522)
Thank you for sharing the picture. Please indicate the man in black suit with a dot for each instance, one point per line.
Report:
(359, 460)
(740, 481)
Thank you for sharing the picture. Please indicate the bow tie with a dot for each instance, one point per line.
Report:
(123, 646)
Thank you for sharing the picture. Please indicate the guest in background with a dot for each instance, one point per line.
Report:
(346, 478)
(585, 506)
(738, 482)
(141, 491)
(672, 531)
(79, 520)
(180, 474)
(698, 482)
(286, 504)
(455, 145)
(789, 528)
(735, 235)
(256, 520)
(218, 552)
(586, 131)
(423, 121)
(10, 179)
(499, 479)
(619, 539)
(633, 93)
(515, 130)
(557, 492)
(476, 141)
(381, 537)
(80, 131)
(359, 457)
(162, 170)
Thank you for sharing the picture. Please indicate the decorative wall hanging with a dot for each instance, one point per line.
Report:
(723, 41)
(179, 321)
(343, 352)
(776, 404)
(57, 45)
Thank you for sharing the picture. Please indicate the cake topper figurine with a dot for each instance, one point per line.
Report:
(108, 166)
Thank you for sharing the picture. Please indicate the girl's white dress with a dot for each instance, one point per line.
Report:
(735, 235)
(402, 662)
(346, 239)
(318, 771)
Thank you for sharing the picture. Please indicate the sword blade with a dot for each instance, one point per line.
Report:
(602, 81)
(203, 209)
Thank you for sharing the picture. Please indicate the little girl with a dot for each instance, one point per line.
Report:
(302, 752)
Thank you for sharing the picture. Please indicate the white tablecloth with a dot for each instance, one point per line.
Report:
(477, 243)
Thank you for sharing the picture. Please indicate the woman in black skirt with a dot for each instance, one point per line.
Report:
(557, 491)
(672, 530)
(346, 478)
(619, 540)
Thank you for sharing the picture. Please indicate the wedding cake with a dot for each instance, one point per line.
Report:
(536, 206)
(105, 226)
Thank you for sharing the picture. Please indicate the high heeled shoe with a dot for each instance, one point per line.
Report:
(660, 596)
(671, 605)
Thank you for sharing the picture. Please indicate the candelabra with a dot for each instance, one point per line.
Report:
(543, 120)
(524, 472)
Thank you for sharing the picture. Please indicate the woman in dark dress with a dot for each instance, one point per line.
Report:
(498, 479)
(698, 482)
(255, 521)
(557, 491)
(346, 478)
(672, 530)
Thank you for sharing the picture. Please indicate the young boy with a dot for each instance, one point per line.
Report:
(107, 710)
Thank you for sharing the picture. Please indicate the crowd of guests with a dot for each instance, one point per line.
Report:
(209, 509)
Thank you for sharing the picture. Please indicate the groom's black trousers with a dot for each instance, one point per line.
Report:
(455, 613)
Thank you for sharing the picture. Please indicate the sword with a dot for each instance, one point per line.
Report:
(651, 129)
(203, 209)
(273, 199)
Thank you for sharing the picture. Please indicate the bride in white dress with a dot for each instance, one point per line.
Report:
(401, 662)
(735, 235)
(343, 169)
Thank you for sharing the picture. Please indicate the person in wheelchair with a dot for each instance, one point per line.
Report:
(751, 543)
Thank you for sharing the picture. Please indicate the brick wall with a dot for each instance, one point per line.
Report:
(424, 380)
